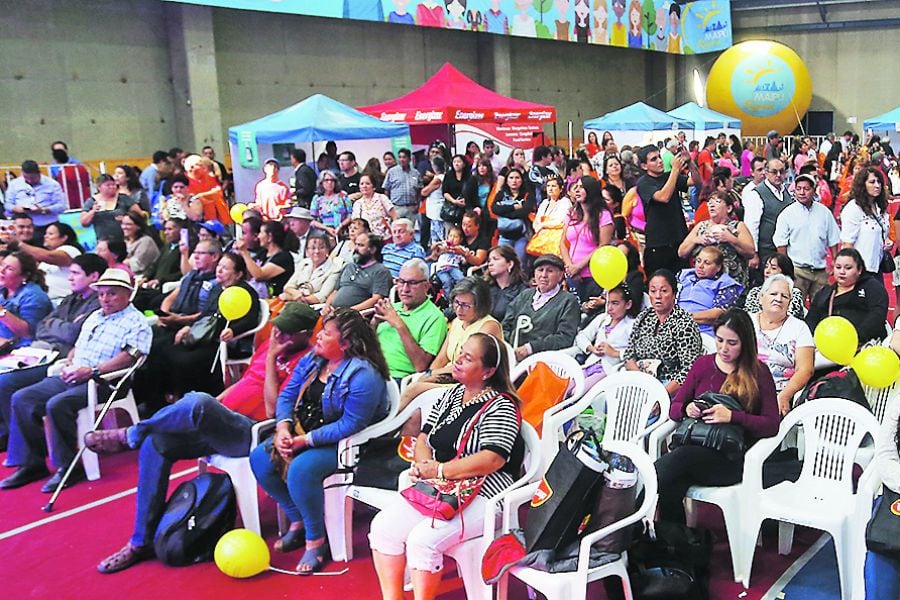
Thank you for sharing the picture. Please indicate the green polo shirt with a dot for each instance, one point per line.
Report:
(428, 327)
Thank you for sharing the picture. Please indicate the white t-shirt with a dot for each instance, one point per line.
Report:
(435, 201)
(867, 234)
(778, 347)
(57, 278)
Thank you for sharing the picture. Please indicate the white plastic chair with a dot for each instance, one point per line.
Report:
(230, 366)
(628, 399)
(709, 343)
(880, 397)
(573, 585)
(84, 421)
(823, 496)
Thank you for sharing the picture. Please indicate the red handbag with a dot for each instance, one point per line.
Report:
(443, 499)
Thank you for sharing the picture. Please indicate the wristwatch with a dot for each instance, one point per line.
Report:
(95, 372)
(3, 312)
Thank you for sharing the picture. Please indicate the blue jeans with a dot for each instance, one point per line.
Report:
(60, 403)
(449, 278)
(882, 573)
(437, 231)
(195, 426)
(12, 381)
(302, 497)
(518, 245)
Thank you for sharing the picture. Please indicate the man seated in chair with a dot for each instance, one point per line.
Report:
(199, 425)
(57, 331)
(109, 341)
(412, 331)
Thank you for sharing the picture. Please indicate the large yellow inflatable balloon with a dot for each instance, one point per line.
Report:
(608, 267)
(876, 366)
(237, 212)
(836, 339)
(764, 84)
(241, 553)
(234, 303)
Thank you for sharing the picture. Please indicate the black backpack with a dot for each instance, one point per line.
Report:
(842, 383)
(198, 513)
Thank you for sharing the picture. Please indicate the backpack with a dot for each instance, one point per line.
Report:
(842, 383)
(197, 514)
(673, 566)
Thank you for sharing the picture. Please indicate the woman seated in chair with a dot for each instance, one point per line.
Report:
(855, 295)
(316, 276)
(483, 399)
(192, 363)
(706, 291)
(471, 301)
(777, 264)
(665, 340)
(199, 425)
(336, 391)
(784, 342)
(734, 370)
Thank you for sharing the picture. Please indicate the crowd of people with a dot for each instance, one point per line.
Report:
(449, 268)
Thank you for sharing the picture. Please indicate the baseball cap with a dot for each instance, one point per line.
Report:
(213, 226)
(296, 317)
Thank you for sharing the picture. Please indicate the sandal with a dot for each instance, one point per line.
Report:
(292, 540)
(313, 559)
(107, 441)
(124, 558)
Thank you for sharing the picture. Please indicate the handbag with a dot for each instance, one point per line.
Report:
(545, 241)
(443, 499)
(886, 264)
(727, 438)
(883, 530)
(203, 332)
(451, 213)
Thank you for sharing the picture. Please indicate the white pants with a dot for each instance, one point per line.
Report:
(400, 529)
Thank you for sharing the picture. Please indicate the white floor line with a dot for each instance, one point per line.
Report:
(791, 571)
(79, 509)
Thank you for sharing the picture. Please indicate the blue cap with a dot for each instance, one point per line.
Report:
(213, 226)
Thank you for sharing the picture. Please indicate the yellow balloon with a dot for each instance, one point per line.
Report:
(877, 366)
(234, 303)
(241, 553)
(764, 84)
(237, 212)
(836, 339)
(608, 267)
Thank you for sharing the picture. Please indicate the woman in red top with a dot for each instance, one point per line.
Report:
(206, 188)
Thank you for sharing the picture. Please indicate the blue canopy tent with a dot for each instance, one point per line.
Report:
(889, 121)
(316, 119)
(637, 124)
(706, 121)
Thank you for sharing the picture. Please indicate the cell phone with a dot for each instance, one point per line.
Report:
(185, 237)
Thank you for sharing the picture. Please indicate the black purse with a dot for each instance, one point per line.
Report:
(886, 265)
(883, 530)
(203, 332)
(727, 438)
(450, 213)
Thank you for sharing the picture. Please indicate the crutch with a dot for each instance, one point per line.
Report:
(106, 406)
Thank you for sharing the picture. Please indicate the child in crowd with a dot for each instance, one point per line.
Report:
(449, 260)
(607, 335)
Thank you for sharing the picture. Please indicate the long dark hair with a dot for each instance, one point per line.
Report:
(509, 254)
(864, 201)
(595, 206)
(499, 380)
(141, 224)
(360, 339)
(132, 177)
(281, 237)
(742, 383)
(66, 231)
(30, 272)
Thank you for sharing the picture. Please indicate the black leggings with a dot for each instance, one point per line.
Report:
(691, 465)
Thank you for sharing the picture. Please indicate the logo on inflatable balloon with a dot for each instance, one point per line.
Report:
(765, 84)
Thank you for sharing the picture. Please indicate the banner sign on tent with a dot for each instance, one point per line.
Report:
(247, 149)
(403, 141)
(660, 25)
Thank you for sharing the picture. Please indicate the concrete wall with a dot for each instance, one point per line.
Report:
(94, 73)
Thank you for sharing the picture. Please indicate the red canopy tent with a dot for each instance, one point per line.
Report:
(451, 98)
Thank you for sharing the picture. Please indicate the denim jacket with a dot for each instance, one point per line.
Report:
(355, 396)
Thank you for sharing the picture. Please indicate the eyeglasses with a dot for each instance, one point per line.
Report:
(408, 282)
(776, 171)
(204, 252)
(461, 305)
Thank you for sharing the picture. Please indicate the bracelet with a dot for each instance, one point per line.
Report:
(440, 472)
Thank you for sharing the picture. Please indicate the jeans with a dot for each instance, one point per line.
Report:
(437, 231)
(195, 426)
(302, 496)
(449, 278)
(517, 245)
(691, 465)
(12, 381)
(60, 403)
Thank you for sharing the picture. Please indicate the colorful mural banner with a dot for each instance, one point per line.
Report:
(659, 25)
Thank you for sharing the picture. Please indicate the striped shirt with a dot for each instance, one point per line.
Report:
(102, 337)
(497, 430)
(393, 256)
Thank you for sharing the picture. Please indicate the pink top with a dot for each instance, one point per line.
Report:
(581, 244)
